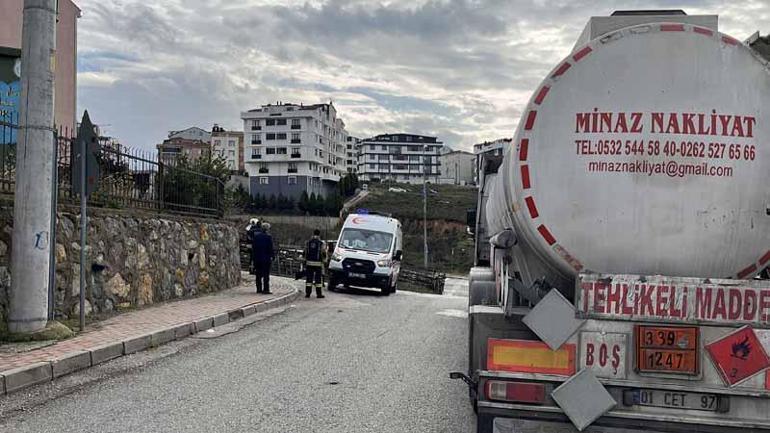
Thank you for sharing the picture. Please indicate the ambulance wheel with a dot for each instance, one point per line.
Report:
(385, 291)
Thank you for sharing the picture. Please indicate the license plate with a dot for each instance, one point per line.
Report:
(667, 349)
(355, 275)
(676, 400)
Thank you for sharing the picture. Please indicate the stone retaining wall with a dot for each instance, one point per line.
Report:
(133, 259)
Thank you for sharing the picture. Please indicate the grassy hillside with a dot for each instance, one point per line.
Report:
(445, 202)
(450, 248)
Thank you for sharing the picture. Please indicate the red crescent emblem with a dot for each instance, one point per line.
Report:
(357, 220)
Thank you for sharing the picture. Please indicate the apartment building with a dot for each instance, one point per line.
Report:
(228, 145)
(457, 168)
(192, 142)
(402, 158)
(292, 148)
(351, 154)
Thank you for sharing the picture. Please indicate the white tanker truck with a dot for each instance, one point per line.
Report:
(621, 238)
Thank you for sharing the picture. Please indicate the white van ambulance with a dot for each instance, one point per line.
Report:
(368, 253)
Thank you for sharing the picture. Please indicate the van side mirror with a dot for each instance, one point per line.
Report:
(398, 255)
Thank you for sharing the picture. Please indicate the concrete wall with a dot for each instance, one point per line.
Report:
(133, 259)
(280, 185)
(11, 18)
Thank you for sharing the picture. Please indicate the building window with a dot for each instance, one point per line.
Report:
(295, 124)
(270, 136)
(295, 137)
(281, 136)
(384, 147)
(264, 180)
(292, 167)
(270, 151)
(231, 153)
(263, 168)
(256, 153)
(295, 152)
(255, 125)
(280, 122)
(231, 143)
(372, 147)
(408, 138)
(256, 139)
(269, 122)
(282, 151)
(291, 180)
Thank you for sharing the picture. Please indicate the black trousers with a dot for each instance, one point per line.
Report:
(313, 279)
(262, 271)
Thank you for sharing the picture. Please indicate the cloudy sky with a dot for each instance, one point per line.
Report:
(459, 69)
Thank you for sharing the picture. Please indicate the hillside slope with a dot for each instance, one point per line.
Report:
(450, 248)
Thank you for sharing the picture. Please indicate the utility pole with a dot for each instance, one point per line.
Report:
(425, 207)
(28, 309)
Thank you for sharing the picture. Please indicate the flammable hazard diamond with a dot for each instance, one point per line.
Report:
(738, 356)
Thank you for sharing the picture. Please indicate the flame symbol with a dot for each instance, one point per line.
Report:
(741, 350)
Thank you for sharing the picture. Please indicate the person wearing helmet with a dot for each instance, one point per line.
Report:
(315, 252)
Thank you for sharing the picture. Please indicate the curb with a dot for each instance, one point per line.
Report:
(43, 372)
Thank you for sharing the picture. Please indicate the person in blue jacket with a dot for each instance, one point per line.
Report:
(262, 255)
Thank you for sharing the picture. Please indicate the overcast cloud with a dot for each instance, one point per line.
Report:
(459, 69)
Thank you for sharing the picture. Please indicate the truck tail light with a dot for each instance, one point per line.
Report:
(519, 392)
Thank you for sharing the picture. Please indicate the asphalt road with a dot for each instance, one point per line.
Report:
(353, 362)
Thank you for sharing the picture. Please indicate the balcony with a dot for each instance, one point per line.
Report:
(264, 171)
(256, 128)
(296, 141)
(256, 141)
(291, 170)
(296, 126)
(296, 155)
(256, 156)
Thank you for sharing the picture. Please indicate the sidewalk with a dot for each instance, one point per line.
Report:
(138, 330)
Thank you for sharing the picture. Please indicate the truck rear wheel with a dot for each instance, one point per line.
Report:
(385, 290)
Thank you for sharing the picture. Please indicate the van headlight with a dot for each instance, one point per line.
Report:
(336, 257)
(383, 263)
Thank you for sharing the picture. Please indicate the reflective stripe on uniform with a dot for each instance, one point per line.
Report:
(312, 263)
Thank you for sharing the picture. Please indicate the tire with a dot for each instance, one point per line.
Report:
(385, 291)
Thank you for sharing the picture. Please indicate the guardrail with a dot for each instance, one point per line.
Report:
(423, 279)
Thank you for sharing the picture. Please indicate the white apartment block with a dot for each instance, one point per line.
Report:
(228, 145)
(457, 168)
(293, 148)
(351, 154)
(405, 158)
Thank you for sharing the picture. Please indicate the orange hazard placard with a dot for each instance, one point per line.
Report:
(738, 356)
(527, 356)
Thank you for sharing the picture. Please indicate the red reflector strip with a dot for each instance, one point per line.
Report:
(541, 95)
(730, 41)
(582, 53)
(562, 69)
(523, 147)
(531, 206)
(671, 28)
(546, 234)
(703, 31)
(525, 177)
(530, 120)
(520, 392)
(748, 271)
(764, 259)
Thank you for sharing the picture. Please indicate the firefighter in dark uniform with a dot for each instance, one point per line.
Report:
(315, 256)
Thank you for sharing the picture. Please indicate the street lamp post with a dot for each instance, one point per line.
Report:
(425, 208)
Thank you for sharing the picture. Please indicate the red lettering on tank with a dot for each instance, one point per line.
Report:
(688, 123)
(672, 297)
(582, 122)
(613, 298)
(586, 287)
(657, 121)
(749, 305)
(702, 303)
(661, 301)
(627, 309)
(645, 300)
(636, 126)
(750, 122)
(734, 304)
(719, 304)
(764, 305)
(673, 124)
(600, 297)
